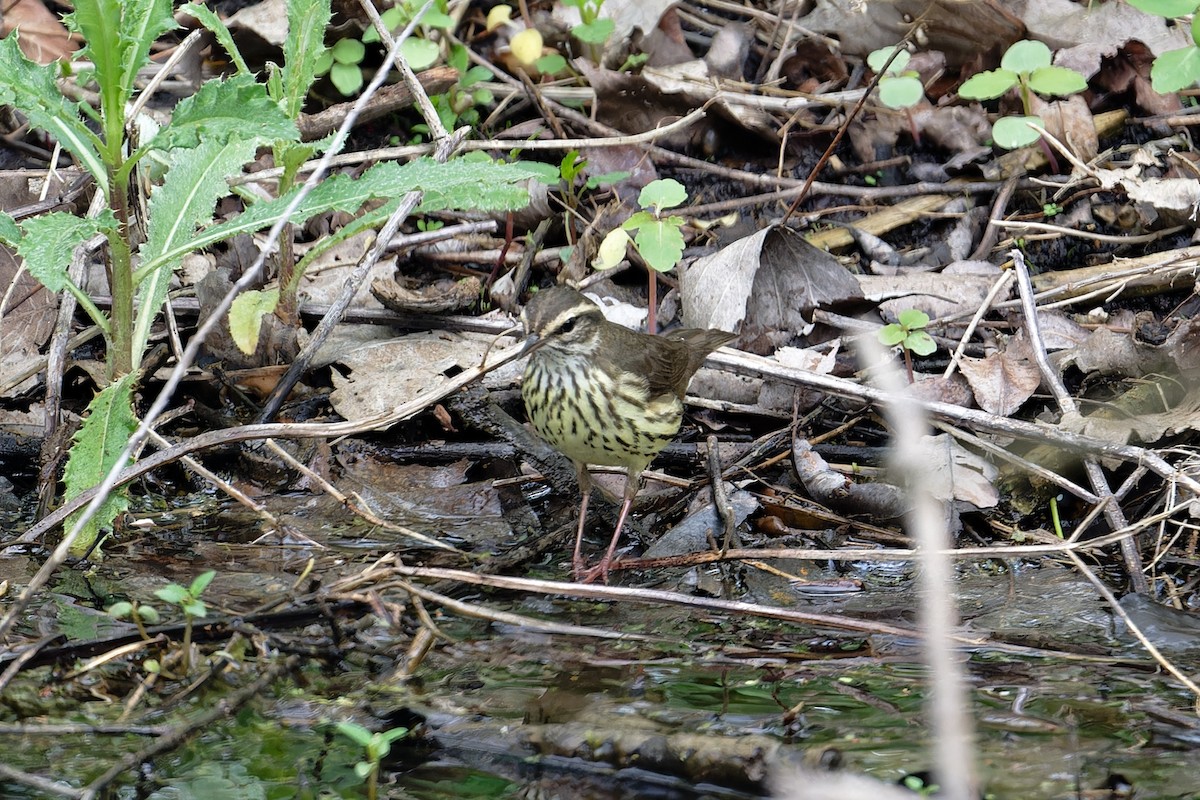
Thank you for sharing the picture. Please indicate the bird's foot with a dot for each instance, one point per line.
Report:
(596, 573)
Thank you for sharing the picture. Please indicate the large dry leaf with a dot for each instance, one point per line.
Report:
(763, 287)
(1002, 382)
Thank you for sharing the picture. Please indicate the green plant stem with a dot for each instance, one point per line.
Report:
(120, 280)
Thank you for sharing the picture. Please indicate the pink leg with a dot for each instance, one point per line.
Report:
(601, 570)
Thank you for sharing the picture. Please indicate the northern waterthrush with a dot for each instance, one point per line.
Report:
(603, 394)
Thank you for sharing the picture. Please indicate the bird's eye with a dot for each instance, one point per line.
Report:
(567, 326)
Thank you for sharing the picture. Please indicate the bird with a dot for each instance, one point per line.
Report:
(603, 394)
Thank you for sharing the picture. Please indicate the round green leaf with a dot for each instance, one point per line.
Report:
(419, 53)
(551, 64)
(878, 58)
(348, 51)
(120, 610)
(346, 78)
(891, 335)
(913, 318)
(1196, 29)
(902, 92)
(662, 193)
(1175, 70)
(1013, 132)
(595, 32)
(988, 85)
(323, 63)
(1026, 56)
(920, 343)
(1058, 81)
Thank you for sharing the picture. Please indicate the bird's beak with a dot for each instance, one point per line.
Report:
(532, 342)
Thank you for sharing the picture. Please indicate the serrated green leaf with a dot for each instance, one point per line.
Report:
(1025, 56)
(216, 26)
(196, 179)
(10, 232)
(1175, 70)
(31, 88)
(236, 108)
(305, 44)
(48, 242)
(660, 244)
(98, 443)
(117, 37)
(1056, 81)
(1013, 132)
(988, 85)
(457, 184)
(662, 193)
(245, 317)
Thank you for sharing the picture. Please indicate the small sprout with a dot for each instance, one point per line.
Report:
(375, 748)
(1025, 66)
(908, 333)
(897, 88)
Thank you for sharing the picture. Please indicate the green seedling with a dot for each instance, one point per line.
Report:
(1026, 67)
(188, 601)
(908, 333)
(657, 239)
(139, 613)
(375, 747)
(342, 62)
(591, 30)
(898, 88)
(1175, 70)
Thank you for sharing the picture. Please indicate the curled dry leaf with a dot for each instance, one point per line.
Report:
(763, 286)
